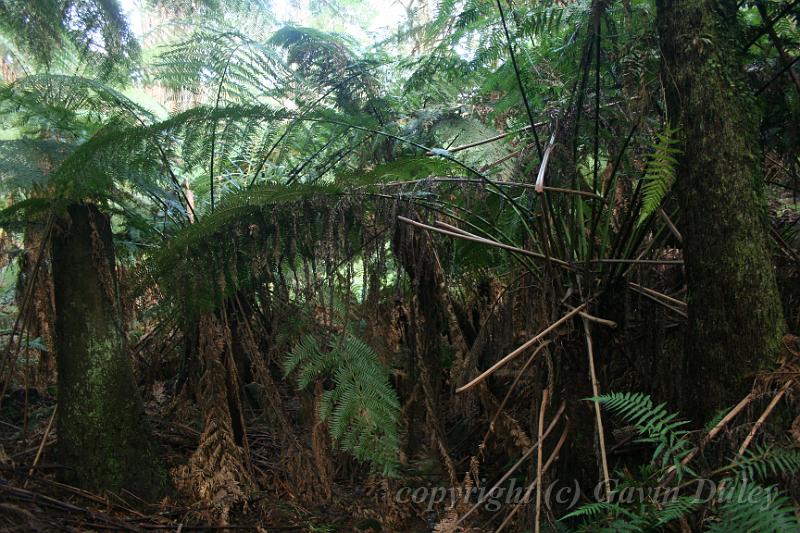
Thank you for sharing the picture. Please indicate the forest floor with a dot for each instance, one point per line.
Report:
(31, 498)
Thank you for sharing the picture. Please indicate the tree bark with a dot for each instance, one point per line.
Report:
(735, 318)
(102, 437)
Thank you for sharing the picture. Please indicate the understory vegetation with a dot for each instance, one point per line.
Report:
(491, 266)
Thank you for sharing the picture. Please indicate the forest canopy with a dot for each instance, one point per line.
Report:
(404, 266)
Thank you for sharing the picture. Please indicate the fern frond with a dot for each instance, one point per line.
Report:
(96, 30)
(361, 408)
(746, 507)
(660, 172)
(654, 422)
(597, 509)
(675, 509)
(762, 462)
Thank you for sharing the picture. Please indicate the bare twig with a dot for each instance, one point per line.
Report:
(549, 329)
(510, 390)
(41, 446)
(489, 140)
(474, 238)
(519, 462)
(542, 411)
(718, 427)
(550, 461)
(765, 415)
(597, 414)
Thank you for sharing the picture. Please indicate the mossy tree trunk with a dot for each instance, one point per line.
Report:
(735, 318)
(102, 436)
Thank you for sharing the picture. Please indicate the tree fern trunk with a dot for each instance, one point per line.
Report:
(735, 318)
(40, 318)
(102, 440)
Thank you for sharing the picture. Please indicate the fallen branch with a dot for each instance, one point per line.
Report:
(552, 327)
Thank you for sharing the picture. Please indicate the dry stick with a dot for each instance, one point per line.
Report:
(604, 321)
(518, 463)
(670, 225)
(598, 418)
(641, 261)
(475, 238)
(489, 166)
(657, 294)
(658, 301)
(47, 501)
(764, 416)
(758, 424)
(472, 236)
(549, 329)
(542, 410)
(510, 390)
(709, 437)
(473, 181)
(718, 427)
(41, 447)
(490, 139)
(550, 461)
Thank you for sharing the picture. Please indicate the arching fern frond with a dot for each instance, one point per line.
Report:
(28, 163)
(596, 509)
(675, 509)
(96, 29)
(330, 66)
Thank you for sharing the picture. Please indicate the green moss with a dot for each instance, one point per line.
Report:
(103, 437)
(735, 317)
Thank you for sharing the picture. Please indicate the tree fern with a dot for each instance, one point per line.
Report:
(94, 29)
(660, 172)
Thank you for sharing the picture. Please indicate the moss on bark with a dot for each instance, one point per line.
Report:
(102, 437)
(735, 318)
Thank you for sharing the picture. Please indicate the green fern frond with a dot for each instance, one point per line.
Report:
(96, 30)
(597, 509)
(27, 163)
(766, 461)
(657, 426)
(362, 409)
(675, 509)
(660, 173)
(746, 507)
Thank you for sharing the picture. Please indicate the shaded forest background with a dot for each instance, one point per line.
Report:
(282, 277)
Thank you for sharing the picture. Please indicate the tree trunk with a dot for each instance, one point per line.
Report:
(735, 318)
(102, 437)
